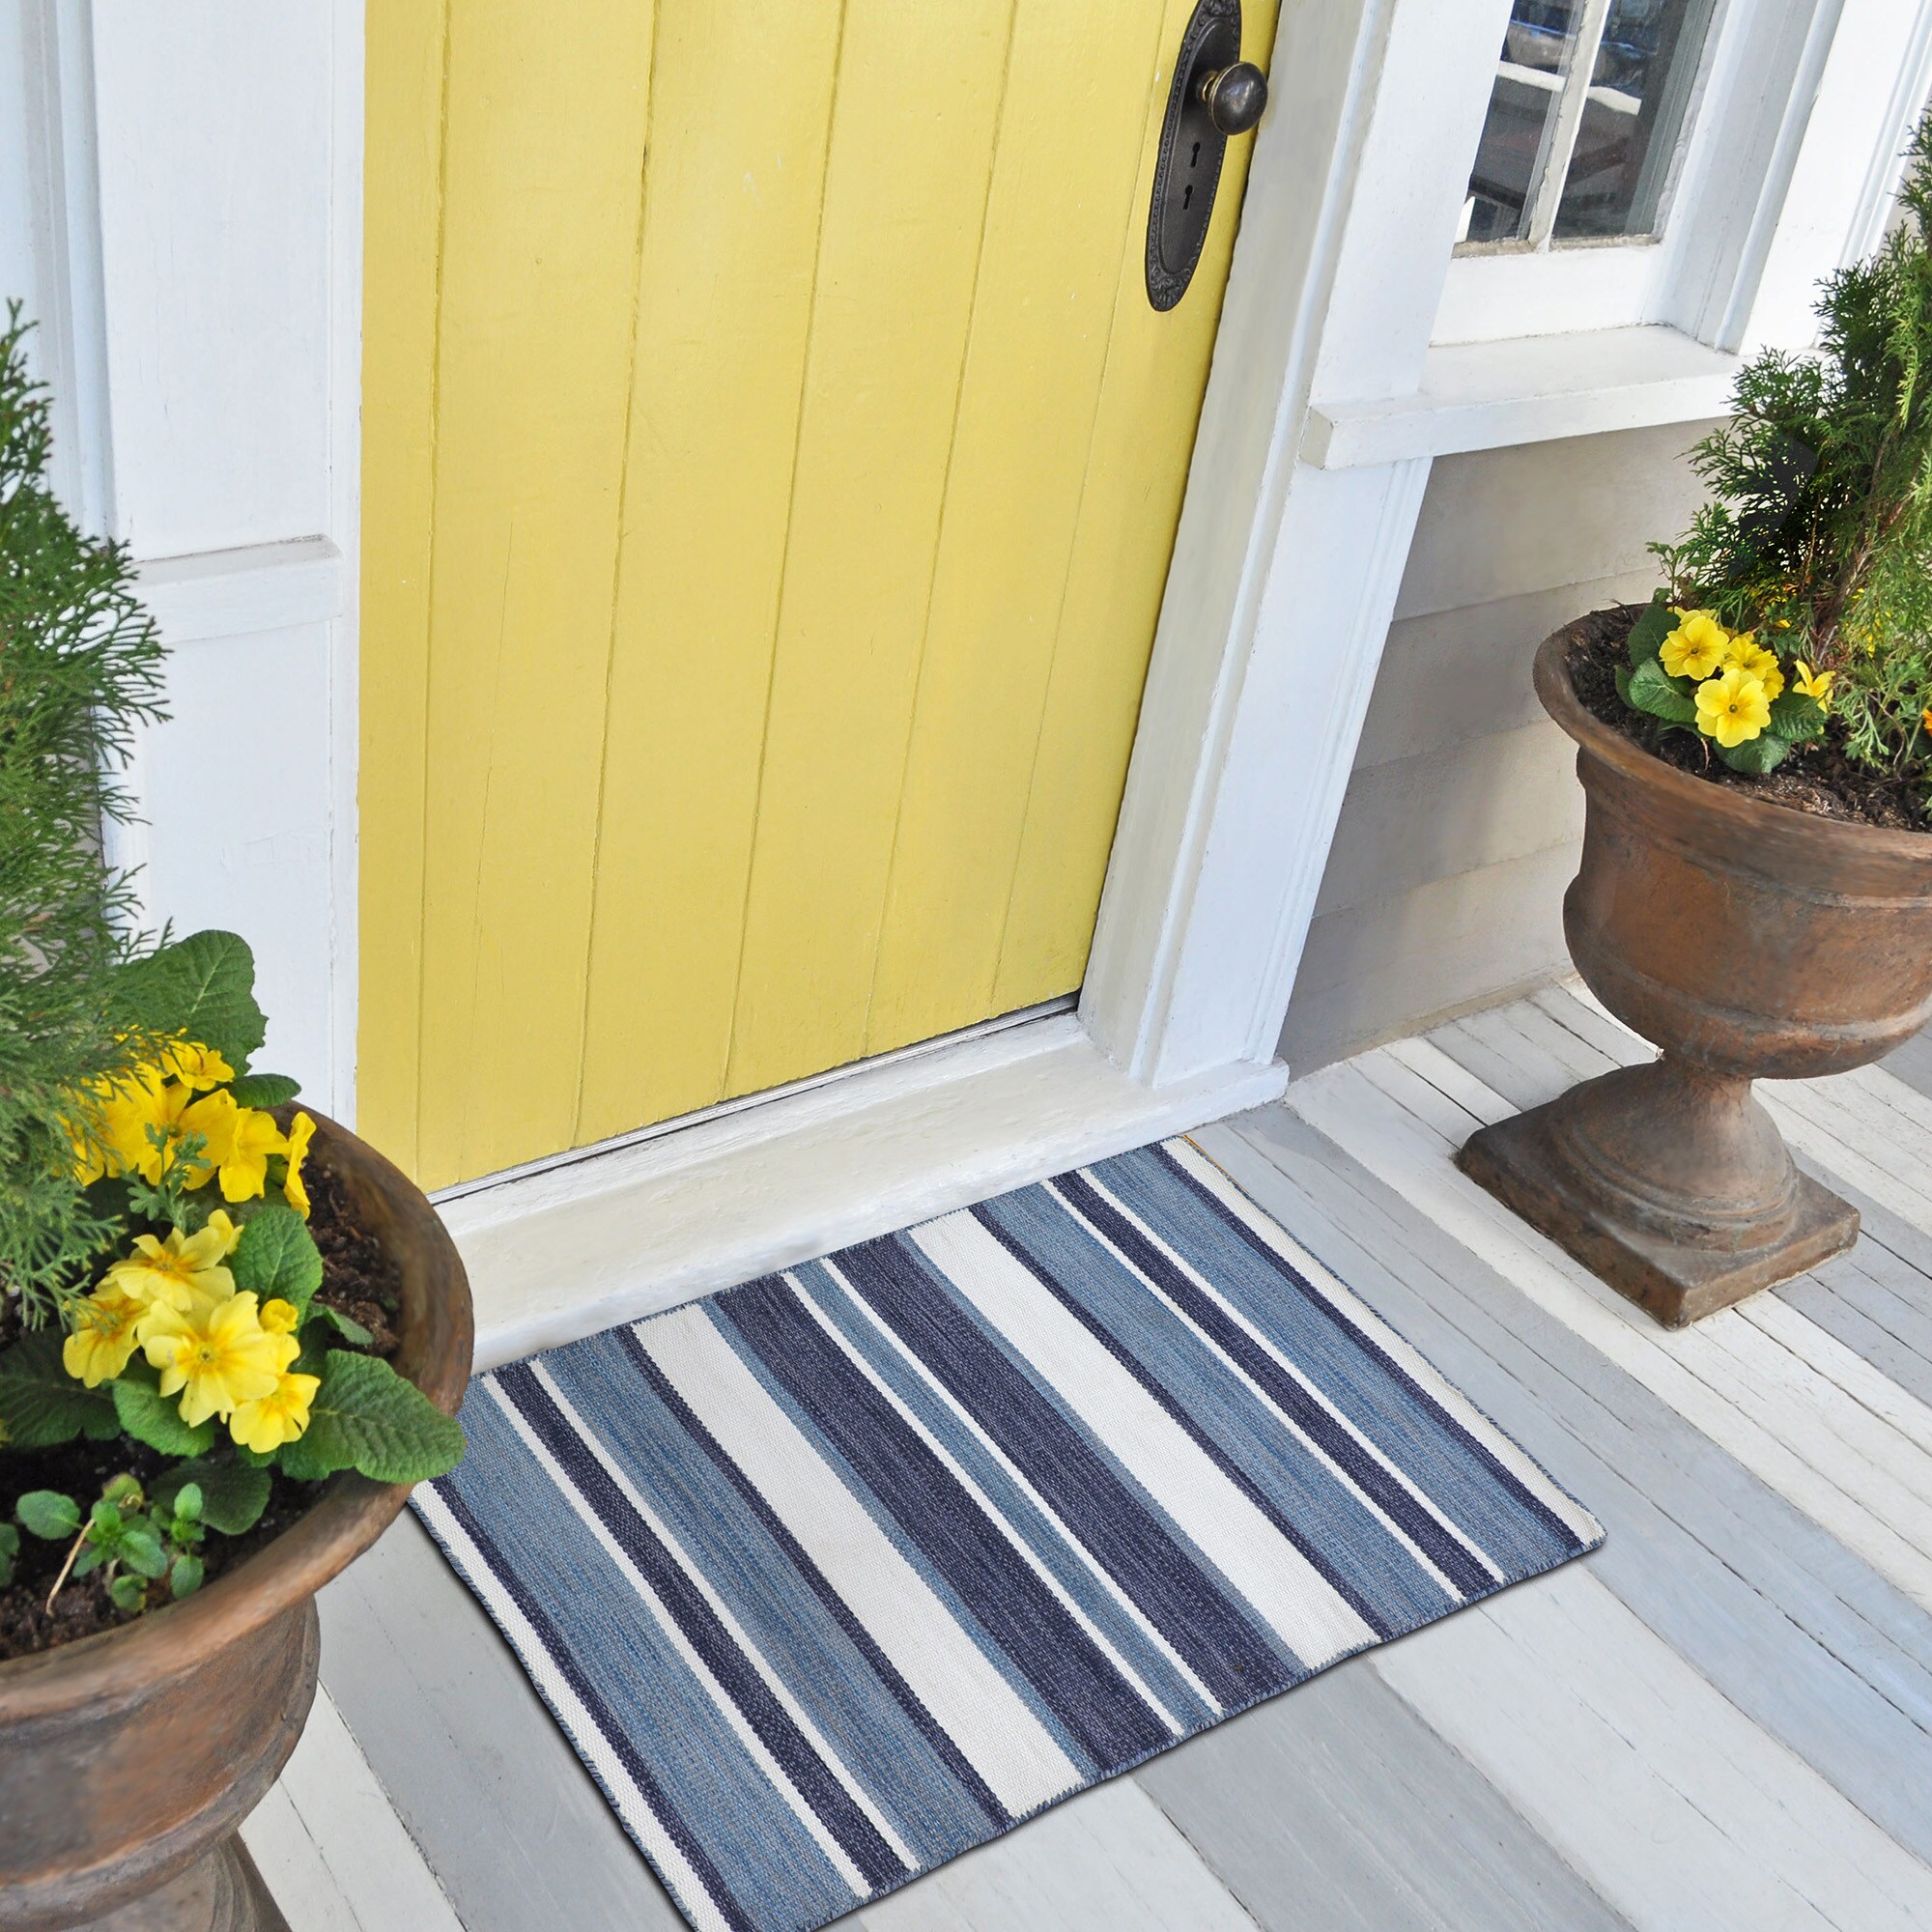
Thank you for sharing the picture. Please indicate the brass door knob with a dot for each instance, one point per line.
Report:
(1234, 96)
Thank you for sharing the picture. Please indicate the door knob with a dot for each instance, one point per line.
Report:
(1215, 94)
(1234, 96)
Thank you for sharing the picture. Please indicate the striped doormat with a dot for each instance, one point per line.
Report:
(836, 1574)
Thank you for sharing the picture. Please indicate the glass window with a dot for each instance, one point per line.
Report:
(1589, 104)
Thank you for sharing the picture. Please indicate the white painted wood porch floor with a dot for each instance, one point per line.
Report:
(1724, 1719)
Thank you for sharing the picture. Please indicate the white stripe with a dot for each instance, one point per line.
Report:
(1261, 1396)
(967, 1697)
(694, 1574)
(775, 1773)
(584, 1731)
(1277, 1580)
(1360, 1315)
(941, 1393)
(993, 1514)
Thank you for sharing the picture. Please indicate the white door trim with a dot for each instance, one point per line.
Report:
(1282, 581)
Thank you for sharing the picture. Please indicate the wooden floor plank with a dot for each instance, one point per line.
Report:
(1809, 1643)
(1912, 1063)
(1108, 1861)
(1337, 1807)
(1677, 1808)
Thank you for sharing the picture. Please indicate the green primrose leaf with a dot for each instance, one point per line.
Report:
(351, 1332)
(277, 1257)
(90, 1560)
(41, 1405)
(1648, 633)
(232, 1495)
(48, 1514)
(1795, 718)
(130, 1593)
(184, 1576)
(1665, 698)
(264, 1089)
(1755, 755)
(151, 1417)
(365, 1416)
(187, 1502)
(141, 1549)
(104, 1525)
(1623, 678)
(203, 986)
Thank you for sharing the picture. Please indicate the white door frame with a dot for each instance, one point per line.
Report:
(1324, 411)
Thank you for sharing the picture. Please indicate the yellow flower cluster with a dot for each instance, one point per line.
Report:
(130, 1125)
(1737, 678)
(222, 1354)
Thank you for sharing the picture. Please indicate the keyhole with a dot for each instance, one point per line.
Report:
(1187, 199)
(1194, 160)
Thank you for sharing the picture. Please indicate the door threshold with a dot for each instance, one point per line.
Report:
(564, 1250)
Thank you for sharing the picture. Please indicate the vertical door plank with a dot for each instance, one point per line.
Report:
(544, 196)
(1136, 471)
(733, 183)
(913, 135)
(1078, 98)
(402, 243)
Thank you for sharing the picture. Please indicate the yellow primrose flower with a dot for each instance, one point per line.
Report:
(111, 1134)
(217, 1358)
(1732, 707)
(103, 1336)
(183, 1272)
(1745, 654)
(1697, 647)
(238, 1142)
(265, 1423)
(280, 1318)
(194, 1065)
(1814, 684)
(294, 1190)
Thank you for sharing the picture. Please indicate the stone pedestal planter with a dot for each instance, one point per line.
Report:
(1747, 941)
(129, 1759)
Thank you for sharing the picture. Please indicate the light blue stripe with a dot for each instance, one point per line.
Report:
(794, 1633)
(889, 1527)
(760, 1847)
(1248, 1430)
(1039, 1532)
(1417, 1438)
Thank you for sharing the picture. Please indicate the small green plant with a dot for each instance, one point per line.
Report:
(158, 1283)
(80, 667)
(1800, 602)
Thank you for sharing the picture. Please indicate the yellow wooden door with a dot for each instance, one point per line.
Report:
(771, 464)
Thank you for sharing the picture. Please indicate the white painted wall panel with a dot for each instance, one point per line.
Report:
(232, 790)
(212, 122)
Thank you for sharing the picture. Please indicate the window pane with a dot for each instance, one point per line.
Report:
(1537, 50)
(1633, 114)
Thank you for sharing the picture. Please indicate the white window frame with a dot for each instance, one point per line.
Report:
(1758, 74)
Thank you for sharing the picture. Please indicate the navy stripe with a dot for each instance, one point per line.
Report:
(1228, 1468)
(1076, 1682)
(814, 1579)
(1221, 1646)
(1506, 1478)
(599, 1712)
(704, 1632)
(1441, 1545)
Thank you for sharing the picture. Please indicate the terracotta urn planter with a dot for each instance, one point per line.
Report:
(1747, 941)
(129, 1759)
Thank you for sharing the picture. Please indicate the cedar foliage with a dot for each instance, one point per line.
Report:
(1819, 529)
(79, 669)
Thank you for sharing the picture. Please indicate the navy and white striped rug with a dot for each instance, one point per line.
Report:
(834, 1576)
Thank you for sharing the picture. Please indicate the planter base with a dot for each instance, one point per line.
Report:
(221, 1892)
(1601, 1170)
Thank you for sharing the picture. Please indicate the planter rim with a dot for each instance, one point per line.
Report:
(1560, 698)
(347, 1517)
